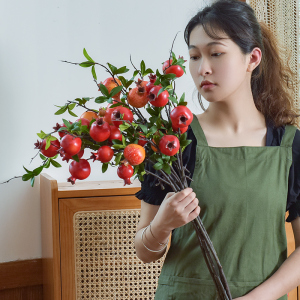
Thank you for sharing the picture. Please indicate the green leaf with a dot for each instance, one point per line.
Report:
(116, 146)
(47, 164)
(71, 113)
(29, 172)
(123, 80)
(48, 142)
(87, 56)
(104, 167)
(148, 71)
(115, 90)
(61, 110)
(123, 140)
(122, 70)
(185, 143)
(75, 157)
(118, 158)
(134, 125)
(128, 84)
(94, 73)
(152, 130)
(173, 57)
(124, 127)
(41, 135)
(101, 99)
(158, 166)
(169, 76)
(135, 73)
(26, 177)
(160, 160)
(144, 128)
(151, 111)
(182, 98)
(55, 163)
(112, 68)
(183, 137)
(173, 99)
(143, 67)
(166, 168)
(67, 123)
(37, 171)
(42, 157)
(166, 157)
(104, 90)
(159, 92)
(49, 139)
(116, 142)
(115, 105)
(86, 64)
(153, 119)
(32, 181)
(71, 106)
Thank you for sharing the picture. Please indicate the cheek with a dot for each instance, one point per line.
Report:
(229, 72)
(192, 68)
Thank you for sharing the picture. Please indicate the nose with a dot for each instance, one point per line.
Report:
(204, 68)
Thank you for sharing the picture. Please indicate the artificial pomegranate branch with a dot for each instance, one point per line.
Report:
(121, 132)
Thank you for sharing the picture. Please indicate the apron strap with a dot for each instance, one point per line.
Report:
(198, 132)
(289, 135)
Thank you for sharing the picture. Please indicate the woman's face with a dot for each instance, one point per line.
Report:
(218, 61)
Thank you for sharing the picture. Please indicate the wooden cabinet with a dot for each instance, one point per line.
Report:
(87, 242)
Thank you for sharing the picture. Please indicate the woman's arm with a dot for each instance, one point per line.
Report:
(285, 279)
(177, 209)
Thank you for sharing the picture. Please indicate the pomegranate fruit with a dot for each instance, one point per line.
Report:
(169, 145)
(181, 116)
(125, 172)
(70, 144)
(79, 170)
(100, 130)
(135, 154)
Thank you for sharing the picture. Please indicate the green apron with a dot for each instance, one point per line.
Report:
(242, 193)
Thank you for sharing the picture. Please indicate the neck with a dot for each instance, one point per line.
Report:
(235, 115)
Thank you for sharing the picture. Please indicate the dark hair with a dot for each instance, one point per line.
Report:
(272, 82)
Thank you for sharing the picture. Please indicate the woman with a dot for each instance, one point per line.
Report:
(245, 162)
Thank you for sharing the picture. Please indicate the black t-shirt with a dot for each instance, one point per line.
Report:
(153, 194)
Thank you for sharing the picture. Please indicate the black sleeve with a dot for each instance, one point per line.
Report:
(152, 193)
(293, 201)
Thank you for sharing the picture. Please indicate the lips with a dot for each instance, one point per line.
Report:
(206, 82)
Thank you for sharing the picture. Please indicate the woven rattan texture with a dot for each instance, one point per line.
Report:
(282, 17)
(107, 267)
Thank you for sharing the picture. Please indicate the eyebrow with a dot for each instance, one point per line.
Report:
(208, 45)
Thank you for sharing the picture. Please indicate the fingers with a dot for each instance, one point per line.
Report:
(169, 195)
(181, 196)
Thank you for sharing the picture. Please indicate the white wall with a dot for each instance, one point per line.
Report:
(35, 36)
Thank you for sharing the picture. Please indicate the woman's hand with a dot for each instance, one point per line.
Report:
(176, 210)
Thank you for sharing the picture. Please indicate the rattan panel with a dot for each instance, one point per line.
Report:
(282, 17)
(107, 267)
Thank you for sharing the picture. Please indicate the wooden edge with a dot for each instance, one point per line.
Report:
(22, 273)
(50, 237)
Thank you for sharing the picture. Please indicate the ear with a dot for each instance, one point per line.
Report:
(254, 59)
